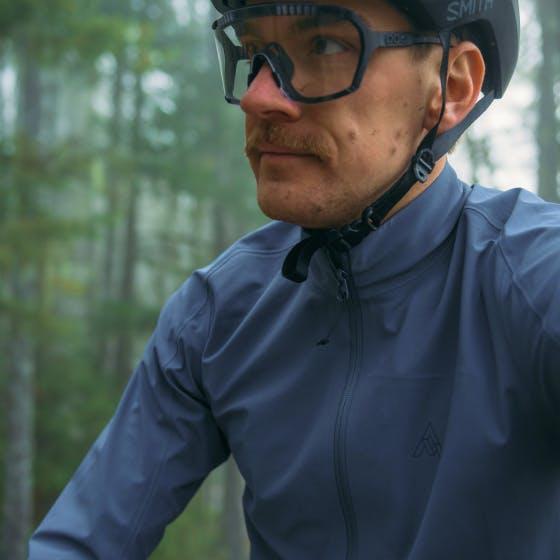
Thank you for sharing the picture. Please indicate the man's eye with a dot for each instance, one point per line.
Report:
(328, 46)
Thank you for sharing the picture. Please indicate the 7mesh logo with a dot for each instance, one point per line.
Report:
(429, 444)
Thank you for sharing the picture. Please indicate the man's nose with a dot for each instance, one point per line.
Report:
(265, 99)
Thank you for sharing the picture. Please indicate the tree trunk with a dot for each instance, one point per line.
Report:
(232, 520)
(115, 134)
(547, 127)
(557, 17)
(104, 355)
(479, 154)
(2, 100)
(123, 358)
(4, 192)
(234, 529)
(17, 506)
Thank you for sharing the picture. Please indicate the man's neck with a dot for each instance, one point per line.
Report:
(417, 189)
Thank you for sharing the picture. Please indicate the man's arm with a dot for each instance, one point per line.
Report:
(528, 291)
(152, 456)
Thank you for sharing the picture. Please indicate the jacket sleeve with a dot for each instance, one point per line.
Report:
(530, 299)
(537, 324)
(151, 457)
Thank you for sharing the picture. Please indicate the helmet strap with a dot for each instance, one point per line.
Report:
(424, 159)
(445, 141)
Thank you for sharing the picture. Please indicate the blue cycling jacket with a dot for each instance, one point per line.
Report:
(409, 412)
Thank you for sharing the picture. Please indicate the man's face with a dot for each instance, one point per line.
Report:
(320, 165)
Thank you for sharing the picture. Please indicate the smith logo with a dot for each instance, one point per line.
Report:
(462, 8)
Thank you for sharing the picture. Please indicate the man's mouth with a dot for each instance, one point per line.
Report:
(273, 141)
(273, 151)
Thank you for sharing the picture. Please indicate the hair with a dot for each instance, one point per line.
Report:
(421, 52)
(464, 33)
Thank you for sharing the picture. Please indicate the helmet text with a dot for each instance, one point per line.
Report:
(460, 8)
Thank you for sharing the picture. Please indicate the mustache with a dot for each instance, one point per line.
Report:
(280, 137)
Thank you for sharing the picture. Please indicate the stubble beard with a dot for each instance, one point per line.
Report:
(326, 204)
(281, 137)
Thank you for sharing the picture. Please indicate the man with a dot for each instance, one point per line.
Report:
(387, 379)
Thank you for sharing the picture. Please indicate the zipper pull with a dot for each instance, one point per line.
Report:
(336, 261)
(343, 291)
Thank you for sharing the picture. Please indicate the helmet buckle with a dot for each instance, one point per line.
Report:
(423, 164)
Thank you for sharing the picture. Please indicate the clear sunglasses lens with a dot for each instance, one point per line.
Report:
(242, 74)
(324, 52)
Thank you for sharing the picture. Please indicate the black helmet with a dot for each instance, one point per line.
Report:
(492, 24)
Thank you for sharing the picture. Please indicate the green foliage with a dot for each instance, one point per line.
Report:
(13, 14)
(74, 402)
(196, 534)
(115, 101)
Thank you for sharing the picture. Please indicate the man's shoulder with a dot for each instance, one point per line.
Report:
(250, 265)
(513, 208)
(519, 233)
(235, 279)
(255, 251)
(519, 222)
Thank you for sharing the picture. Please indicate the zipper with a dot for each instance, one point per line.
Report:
(347, 294)
(343, 294)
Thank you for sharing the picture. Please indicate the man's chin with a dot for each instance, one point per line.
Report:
(303, 203)
(285, 170)
(300, 214)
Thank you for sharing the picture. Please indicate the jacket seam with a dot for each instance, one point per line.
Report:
(538, 379)
(217, 266)
(519, 287)
(482, 214)
(517, 284)
(155, 478)
(143, 507)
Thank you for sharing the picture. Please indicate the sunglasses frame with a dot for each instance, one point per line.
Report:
(279, 61)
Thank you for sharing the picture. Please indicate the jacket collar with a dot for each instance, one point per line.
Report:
(406, 239)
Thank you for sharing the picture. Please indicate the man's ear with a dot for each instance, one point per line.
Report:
(464, 84)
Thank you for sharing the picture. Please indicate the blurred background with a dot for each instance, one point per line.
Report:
(121, 171)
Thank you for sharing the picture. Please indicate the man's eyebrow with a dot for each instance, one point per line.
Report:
(302, 24)
(312, 22)
(244, 28)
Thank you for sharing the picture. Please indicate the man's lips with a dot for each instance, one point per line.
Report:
(290, 142)
(269, 150)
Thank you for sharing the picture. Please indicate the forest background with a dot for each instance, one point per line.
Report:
(121, 171)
